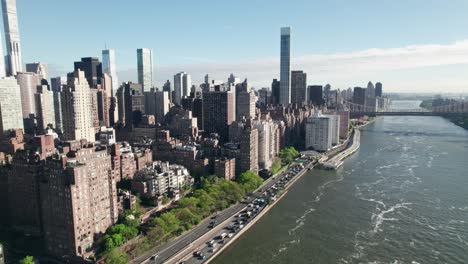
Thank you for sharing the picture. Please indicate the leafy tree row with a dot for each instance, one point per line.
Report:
(287, 155)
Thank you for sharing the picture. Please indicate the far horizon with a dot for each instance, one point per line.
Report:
(350, 46)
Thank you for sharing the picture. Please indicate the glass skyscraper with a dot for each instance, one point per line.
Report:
(108, 66)
(145, 68)
(12, 38)
(285, 66)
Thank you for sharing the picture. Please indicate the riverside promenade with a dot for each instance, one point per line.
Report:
(336, 161)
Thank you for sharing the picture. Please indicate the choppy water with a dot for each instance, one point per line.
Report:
(402, 198)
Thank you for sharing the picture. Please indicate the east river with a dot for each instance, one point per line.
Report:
(402, 198)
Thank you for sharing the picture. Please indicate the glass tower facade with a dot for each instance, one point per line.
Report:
(12, 37)
(145, 68)
(285, 66)
(108, 66)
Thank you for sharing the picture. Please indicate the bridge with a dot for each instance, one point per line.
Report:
(456, 109)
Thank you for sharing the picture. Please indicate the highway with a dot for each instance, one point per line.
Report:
(170, 249)
(202, 252)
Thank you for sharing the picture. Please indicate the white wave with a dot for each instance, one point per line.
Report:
(300, 221)
(379, 218)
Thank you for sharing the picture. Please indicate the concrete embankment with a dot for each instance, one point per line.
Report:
(260, 215)
(336, 161)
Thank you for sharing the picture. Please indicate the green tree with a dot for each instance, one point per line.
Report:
(249, 181)
(276, 166)
(27, 260)
(287, 155)
(116, 256)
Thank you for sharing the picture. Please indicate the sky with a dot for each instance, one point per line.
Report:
(408, 45)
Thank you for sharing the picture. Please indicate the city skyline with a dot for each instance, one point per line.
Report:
(328, 52)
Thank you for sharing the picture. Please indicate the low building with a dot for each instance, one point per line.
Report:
(161, 178)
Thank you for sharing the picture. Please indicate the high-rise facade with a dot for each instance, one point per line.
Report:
(28, 83)
(298, 87)
(78, 199)
(92, 69)
(77, 108)
(378, 89)
(275, 90)
(145, 68)
(182, 85)
(319, 133)
(162, 105)
(40, 69)
(218, 112)
(10, 105)
(359, 96)
(248, 144)
(109, 67)
(245, 105)
(315, 93)
(371, 103)
(12, 38)
(285, 66)
(57, 84)
(45, 110)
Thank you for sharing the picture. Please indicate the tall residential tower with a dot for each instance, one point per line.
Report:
(108, 66)
(145, 68)
(12, 38)
(285, 66)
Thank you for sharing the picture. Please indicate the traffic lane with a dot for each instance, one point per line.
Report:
(198, 231)
(175, 246)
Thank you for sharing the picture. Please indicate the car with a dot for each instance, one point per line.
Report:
(230, 235)
(212, 250)
(202, 257)
(153, 257)
(197, 253)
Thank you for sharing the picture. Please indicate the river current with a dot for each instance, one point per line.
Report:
(402, 198)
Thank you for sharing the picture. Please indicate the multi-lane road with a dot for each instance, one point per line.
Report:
(185, 242)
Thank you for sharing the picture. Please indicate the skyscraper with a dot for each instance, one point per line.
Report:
(38, 68)
(182, 85)
(77, 108)
(92, 69)
(378, 89)
(298, 86)
(218, 112)
(275, 91)
(12, 38)
(45, 111)
(108, 66)
(56, 85)
(285, 65)
(359, 96)
(10, 105)
(145, 68)
(28, 83)
(316, 94)
(248, 144)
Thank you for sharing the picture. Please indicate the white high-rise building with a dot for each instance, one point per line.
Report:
(285, 67)
(162, 103)
(12, 38)
(77, 108)
(182, 85)
(10, 105)
(335, 124)
(108, 66)
(45, 110)
(145, 68)
(371, 102)
(319, 133)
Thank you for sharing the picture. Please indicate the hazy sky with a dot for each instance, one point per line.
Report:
(409, 45)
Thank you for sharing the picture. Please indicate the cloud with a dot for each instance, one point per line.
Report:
(340, 69)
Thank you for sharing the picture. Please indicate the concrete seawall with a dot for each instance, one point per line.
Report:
(260, 215)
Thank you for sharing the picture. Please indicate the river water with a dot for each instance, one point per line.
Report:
(402, 198)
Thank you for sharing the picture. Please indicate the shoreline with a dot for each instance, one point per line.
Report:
(261, 214)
